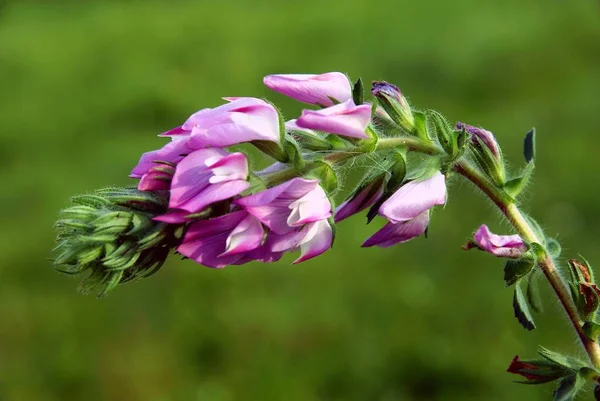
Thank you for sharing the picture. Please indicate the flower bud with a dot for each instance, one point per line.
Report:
(394, 103)
(112, 235)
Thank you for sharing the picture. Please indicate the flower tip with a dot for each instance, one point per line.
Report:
(382, 87)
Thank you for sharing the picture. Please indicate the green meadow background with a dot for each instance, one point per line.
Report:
(86, 86)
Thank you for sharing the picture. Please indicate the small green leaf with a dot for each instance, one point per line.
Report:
(515, 186)
(516, 269)
(529, 146)
(533, 292)
(324, 172)
(553, 247)
(294, 153)
(421, 125)
(521, 309)
(358, 92)
(443, 131)
(562, 360)
(591, 330)
(568, 388)
(272, 149)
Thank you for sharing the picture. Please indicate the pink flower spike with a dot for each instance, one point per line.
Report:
(344, 119)
(396, 233)
(414, 198)
(507, 246)
(312, 89)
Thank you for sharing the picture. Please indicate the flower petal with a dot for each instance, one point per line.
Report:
(246, 236)
(510, 246)
(344, 119)
(312, 89)
(414, 198)
(392, 234)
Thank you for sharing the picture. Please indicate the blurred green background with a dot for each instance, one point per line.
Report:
(86, 86)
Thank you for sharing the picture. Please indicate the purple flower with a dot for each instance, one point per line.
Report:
(232, 239)
(296, 212)
(204, 177)
(507, 246)
(312, 89)
(486, 137)
(345, 119)
(382, 88)
(408, 211)
(364, 197)
(243, 119)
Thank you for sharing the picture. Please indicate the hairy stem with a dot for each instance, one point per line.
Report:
(546, 264)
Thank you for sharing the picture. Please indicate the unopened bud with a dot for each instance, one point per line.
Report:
(395, 104)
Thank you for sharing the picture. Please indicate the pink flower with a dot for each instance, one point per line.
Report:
(312, 89)
(408, 211)
(232, 239)
(204, 177)
(296, 212)
(507, 246)
(243, 119)
(364, 197)
(344, 119)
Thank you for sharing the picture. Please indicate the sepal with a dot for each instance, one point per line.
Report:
(358, 92)
(325, 173)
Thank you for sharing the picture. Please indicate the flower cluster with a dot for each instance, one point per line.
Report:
(227, 221)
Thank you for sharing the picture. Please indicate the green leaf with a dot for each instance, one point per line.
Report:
(569, 387)
(443, 131)
(516, 269)
(272, 149)
(294, 153)
(553, 247)
(358, 92)
(324, 172)
(515, 186)
(421, 125)
(562, 360)
(529, 146)
(591, 330)
(533, 292)
(521, 309)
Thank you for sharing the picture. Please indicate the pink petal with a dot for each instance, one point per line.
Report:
(343, 119)
(313, 206)
(500, 245)
(392, 234)
(205, 240)
(214, 193)
(361, 200)
(192, 176)
(172, 152)
(318, 240)
(246, 236)
(414, 198)
(312, 89)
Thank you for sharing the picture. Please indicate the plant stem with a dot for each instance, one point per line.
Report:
(341, 156)
(546, 264)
